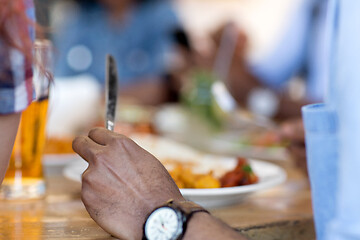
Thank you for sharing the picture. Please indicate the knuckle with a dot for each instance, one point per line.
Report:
(77, 142)
(85, 178)
(88, 177)
(123, 141)
(89, 195)
(86, 196)
(95, 131)
(96, 155)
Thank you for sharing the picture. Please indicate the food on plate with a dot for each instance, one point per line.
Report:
(242, 174)
(185, 177)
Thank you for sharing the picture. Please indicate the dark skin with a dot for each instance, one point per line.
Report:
(116, 187)
(124, 183)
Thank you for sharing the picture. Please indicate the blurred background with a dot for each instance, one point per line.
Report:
(262, 20)
(218, 74)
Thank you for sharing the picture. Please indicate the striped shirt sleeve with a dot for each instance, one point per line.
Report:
(16, 91)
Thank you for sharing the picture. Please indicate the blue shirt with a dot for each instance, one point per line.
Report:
(300, 46)
(342, 118)
(344, 97)
(140, 44)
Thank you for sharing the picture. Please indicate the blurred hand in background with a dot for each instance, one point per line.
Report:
(292, 131)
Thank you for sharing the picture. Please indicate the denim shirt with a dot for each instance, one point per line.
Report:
(141, 43)
(336, 191)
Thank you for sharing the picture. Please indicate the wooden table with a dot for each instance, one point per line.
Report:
(283, 212)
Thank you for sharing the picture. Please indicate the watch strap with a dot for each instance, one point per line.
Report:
(188, 207)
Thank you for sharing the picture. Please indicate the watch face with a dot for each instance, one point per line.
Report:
(163, 224)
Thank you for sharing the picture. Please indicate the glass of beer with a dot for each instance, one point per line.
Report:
(24, 178)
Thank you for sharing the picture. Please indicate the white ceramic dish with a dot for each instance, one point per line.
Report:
(269, 175)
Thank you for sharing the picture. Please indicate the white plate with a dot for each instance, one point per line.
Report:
(269, 174)
(165, 149)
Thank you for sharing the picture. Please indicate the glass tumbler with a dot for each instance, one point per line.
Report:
(24, 178)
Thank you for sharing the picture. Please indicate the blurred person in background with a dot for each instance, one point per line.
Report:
(16, 91)
(261, 85)
(298, 51)
(140, 34)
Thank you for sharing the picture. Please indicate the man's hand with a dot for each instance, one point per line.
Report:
(123, 182)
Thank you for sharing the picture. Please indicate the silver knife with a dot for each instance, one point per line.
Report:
(111, 90)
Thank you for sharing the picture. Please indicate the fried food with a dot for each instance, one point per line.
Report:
(185, 177)
(241, 175)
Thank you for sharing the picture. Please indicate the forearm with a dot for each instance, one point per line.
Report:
(204, 226)
(8, 128)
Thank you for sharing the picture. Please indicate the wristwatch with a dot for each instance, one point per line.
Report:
(169, 221)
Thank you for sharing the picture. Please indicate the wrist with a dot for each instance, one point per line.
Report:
(193, 224)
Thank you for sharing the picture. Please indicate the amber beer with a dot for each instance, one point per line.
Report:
(26, 157)
(24, 177)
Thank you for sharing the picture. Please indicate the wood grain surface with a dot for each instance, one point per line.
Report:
(283, 212)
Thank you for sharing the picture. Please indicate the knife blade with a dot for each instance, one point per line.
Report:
(111, 89)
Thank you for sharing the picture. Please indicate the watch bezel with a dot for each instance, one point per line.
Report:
(180, 217)
(184, 210)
